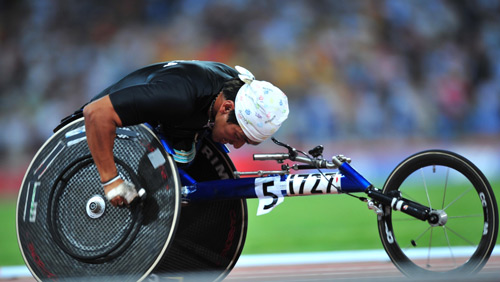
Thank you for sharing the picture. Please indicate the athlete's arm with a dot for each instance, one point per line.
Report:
(101, 122)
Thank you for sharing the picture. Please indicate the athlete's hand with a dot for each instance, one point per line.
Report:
(120, 193)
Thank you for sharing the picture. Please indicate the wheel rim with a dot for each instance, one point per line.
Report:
(446, 247)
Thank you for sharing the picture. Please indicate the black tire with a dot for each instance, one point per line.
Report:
(449, 182)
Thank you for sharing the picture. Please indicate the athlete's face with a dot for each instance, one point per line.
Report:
(228, 133)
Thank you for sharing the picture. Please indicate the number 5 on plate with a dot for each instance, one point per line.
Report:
(269, 192)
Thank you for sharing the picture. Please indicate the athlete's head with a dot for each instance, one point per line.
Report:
(256, 111)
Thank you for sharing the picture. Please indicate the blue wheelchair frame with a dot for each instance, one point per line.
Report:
(350, 181)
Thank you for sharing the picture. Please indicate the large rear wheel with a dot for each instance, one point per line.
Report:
(67, 229)
(211, 234)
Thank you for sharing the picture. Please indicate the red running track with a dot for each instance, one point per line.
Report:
(358, 271)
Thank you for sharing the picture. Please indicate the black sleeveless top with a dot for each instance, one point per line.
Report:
(175, 95)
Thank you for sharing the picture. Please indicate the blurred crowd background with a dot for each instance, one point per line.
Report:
(371, 70)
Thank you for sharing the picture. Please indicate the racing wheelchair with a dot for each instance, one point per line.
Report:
(436, 213)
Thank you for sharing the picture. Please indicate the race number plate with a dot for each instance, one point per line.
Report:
(272, 190)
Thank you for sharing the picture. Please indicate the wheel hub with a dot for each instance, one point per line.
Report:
(438, 218)
(96, 206)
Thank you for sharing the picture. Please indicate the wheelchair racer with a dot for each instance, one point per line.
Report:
(184, 100)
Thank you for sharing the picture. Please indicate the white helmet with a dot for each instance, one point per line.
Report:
(260, 107)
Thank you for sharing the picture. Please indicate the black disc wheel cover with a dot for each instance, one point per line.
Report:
(58, 237)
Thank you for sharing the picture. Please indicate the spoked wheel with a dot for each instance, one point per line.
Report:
(462, 236)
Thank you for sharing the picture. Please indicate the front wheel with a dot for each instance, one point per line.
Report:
(456, 190)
